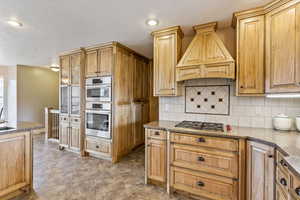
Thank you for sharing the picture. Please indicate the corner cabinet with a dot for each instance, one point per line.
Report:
(283, 49)
(167, 52)
(260, 171)
(268, 49)
(250, 56)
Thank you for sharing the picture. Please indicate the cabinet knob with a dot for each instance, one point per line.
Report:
(200, 184)
(297, 190)
(97, 146)
(283, 182)
(241, 86)
(270, 156)
(201, 140)
(201, 159)
(156, 133)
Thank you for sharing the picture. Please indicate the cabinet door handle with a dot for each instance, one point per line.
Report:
(156, 133)
(97, 146)
(200, 184)
(283, 182)
(241, 87)
(270, 156)
(283, 163)
(201, 159)
(297, 190)
(201, 140)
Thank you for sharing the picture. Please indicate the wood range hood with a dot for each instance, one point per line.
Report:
(206, 56)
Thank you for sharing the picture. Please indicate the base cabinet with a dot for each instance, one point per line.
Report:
(70, 133)
(260, 171)
(15, 164)
(98, 147)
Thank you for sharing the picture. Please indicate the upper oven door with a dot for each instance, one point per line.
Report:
(98, 93)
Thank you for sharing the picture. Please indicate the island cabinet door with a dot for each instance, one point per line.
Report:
(15, 162)
(156, 160)
(260, 171)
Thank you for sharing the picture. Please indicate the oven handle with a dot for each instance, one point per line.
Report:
(98, 86)
(98, 111)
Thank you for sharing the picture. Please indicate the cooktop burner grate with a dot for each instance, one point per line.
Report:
(201, 125)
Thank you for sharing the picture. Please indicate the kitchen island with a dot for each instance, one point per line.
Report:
(16, 158)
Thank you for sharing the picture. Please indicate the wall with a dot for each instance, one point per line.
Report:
(244, 111)
(37, 89)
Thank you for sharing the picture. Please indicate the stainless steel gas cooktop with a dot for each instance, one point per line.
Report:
(201, 125)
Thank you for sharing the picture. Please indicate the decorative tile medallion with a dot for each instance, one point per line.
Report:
(212, 99)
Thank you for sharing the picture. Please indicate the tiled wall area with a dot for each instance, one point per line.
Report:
(244, 111)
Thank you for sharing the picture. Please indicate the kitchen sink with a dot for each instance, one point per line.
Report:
(6, 128)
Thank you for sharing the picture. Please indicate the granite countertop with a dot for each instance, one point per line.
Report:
(287, 142)
(20, 126)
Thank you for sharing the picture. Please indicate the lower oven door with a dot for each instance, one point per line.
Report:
(98, 123)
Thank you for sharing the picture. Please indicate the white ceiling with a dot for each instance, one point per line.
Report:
(53, 26)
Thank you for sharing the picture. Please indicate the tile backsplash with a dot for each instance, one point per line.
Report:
(244, 111)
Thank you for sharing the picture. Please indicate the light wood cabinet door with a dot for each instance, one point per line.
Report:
(156, 160)
(74, 137)
(105, 61)
(279, 194)
(64, 134)
(250, 56)
(65, 70)
(75, 68)
(138, 75)
(138, 130)
(16, 162)
(260, 171)
(283, 49)
(165, 61)
(91, 68)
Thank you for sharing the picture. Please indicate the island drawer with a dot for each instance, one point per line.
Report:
(156, 134)
(206, 141)
(204, 184)
(295, 186)
(95, 145)
(221, 163)
(283, 180)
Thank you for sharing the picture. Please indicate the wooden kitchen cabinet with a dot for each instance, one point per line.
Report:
(156, 156)
(16, 164)
(75, 61)
(64, 134)
(283, 49)
(260, 171)
(74, 137)
(99, 61)
(65, 70)
(250, 56)
(167, 52)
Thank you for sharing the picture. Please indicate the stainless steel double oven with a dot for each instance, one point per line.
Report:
(98, 106)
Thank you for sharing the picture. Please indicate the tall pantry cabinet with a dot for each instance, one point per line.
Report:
(71, 124)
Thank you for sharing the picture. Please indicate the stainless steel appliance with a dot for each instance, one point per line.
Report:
(98, 119)
(98, 89)
(218, 127)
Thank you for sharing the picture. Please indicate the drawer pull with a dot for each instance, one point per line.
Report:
(156, 133)
(297, 190)
(201, 159)
(283, 182)
(283, 163)
(200, 184)
(201, 140)
(97, 146)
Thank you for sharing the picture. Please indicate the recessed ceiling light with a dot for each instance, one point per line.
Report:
(14, 23)
(54, 67)
(152, 22)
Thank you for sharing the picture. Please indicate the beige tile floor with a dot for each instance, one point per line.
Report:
(62, 175)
